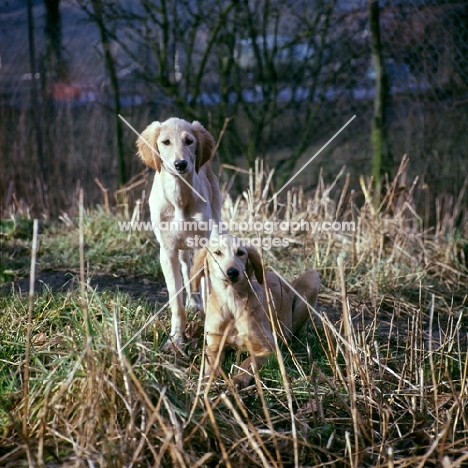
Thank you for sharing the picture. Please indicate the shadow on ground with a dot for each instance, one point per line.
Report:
(67, 280)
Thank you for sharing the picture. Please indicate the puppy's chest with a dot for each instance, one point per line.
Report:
(175, 226)
(199, 216)
(171, 199)
(236, 308)
(239, 316)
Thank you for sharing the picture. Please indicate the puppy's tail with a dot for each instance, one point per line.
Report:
(307, 285)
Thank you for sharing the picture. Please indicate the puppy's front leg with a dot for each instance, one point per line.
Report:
(171, 270)
(185, 264)
(214, 353)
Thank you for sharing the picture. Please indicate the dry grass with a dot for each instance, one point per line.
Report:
(380, 380)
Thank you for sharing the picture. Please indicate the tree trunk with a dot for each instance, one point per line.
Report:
(114, 84)
(381, 158)
(55, 64)
(36, 104)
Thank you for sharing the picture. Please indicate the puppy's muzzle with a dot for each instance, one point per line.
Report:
(233, 274)
(181, 165)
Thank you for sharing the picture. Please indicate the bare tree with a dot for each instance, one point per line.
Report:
(266, 65)
(280, 62)
(102, 13)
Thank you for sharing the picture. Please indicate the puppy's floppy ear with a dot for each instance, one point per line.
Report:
(198, 264)
(254, 264)
(205, 144)
(148, 147)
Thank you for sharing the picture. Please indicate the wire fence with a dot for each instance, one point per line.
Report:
(426, 47)
(286, 75)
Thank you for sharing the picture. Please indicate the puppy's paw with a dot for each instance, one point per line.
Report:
(194, 302)
(243, 379)
(175, 344)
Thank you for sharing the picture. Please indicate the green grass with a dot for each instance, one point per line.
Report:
(386, 393)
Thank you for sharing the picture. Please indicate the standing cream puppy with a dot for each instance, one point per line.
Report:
(185, 191)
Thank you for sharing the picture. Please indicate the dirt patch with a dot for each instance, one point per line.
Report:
(65, 281)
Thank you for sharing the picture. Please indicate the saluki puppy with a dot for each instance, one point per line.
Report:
(244, 304)
(185, 201)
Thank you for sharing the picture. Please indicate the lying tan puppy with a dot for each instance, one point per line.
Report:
(237, 309)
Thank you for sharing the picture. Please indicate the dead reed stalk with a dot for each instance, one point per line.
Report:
(27, 353)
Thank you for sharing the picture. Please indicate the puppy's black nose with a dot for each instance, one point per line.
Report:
(233, 273)
(181, 165)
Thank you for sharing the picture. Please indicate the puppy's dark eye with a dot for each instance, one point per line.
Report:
(188, 141)
(217, 252)
(239, 253)
(166, 142)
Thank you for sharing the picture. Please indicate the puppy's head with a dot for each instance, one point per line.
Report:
(227, 260)
(175, 145)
